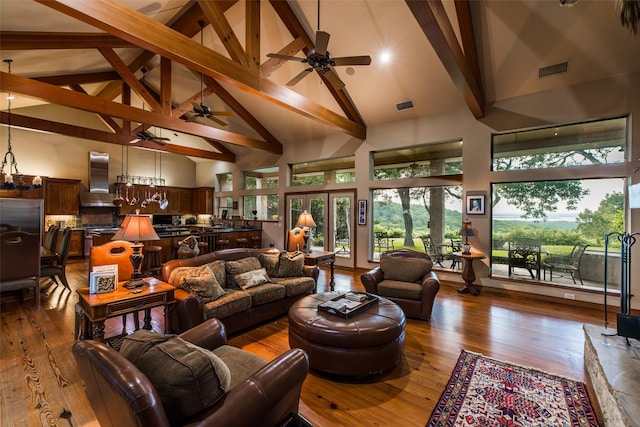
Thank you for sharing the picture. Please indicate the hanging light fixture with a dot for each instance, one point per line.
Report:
(13, 179)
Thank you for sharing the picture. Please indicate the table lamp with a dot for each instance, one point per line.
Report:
(305, 220)
(466, 231)
(136, 228)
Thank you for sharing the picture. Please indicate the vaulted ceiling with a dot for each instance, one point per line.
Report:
(137, 64)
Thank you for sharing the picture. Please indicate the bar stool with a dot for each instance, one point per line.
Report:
(256, 242)
(152, 259)
(241, 242)
(222, 244)
(203, 247)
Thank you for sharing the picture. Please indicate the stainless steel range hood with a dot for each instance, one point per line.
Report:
(98, 195)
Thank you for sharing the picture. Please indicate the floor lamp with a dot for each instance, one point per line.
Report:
(305, 220)
(136, 228)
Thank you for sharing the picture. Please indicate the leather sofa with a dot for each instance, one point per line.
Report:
(122, 395)
(189, 310)
(405, 277)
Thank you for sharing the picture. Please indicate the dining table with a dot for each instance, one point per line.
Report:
(47, 254)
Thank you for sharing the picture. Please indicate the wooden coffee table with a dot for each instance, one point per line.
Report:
(93, 309)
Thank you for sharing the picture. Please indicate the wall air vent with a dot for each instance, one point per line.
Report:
(553, 69)
(404, 105)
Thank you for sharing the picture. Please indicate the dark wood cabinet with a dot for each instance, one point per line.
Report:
(61, 196)
(76, 248)
(186, 200)
(202, 202)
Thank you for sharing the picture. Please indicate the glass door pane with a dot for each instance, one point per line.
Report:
(342, 229)
(317, 206)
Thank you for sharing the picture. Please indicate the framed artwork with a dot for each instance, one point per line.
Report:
(362, 212)
(103, 278)
(234, 205)
(475, 204)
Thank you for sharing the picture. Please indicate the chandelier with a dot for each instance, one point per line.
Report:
(13, 179)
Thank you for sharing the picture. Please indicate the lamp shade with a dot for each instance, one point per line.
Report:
(136, 228)
(466, 229)
(305, 220)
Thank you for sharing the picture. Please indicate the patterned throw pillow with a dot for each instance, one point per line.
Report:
(188, 378)
(270, 262)
(252, 278)
(218, 269)
(240, 266)
(177, 274)
(291, 264)
(205, 287)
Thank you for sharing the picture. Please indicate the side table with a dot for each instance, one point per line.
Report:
(322, 258)
(468, 275)
(93, 309)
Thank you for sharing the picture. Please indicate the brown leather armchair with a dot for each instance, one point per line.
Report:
(393, 280)
(121, 395)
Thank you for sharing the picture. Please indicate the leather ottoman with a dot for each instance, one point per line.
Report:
(369, 343)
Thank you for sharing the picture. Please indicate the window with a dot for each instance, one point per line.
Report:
(261, 206)
(225, 181)
(426, 219)
(444, 158)
(225, 207)
(256, 179)
(580, 144)
(331, 171)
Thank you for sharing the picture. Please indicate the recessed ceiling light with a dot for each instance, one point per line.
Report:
(385, 57)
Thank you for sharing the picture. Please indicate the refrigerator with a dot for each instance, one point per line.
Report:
(28, 214)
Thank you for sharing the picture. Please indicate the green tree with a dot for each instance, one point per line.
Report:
(536, 199)
(607, 218)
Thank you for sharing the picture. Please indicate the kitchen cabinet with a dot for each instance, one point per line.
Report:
(76, 247)
(186, 199)
(61, 196)
(202, 202)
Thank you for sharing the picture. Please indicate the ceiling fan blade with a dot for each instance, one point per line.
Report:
(285, 57)
(299, 77)
(223, 113)
(353, 60)
(192, 118)
(334, 79)
(197, 109)
(217, 120)
(158, 141)
(135, 141)
(322, 41)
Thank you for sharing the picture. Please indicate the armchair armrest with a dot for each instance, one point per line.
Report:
(187, 312)
(273, 393)
(371, 278)
(210, 334)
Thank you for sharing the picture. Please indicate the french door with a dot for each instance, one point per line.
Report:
(334, 215)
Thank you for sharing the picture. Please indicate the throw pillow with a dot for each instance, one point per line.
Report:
(218, 269)
(177, 274)
(205, 287)
(252, 278)
(270, 262)
(188, 378)
(404, 269)
(291, 264)
(240, 266)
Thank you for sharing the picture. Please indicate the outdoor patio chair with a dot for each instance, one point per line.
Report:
(434, 251)
(342, 241)
(383, 242)
(525, 254)
(565, 264)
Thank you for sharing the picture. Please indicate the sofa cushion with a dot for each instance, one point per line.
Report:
(266, 293)
(188, 378)
(177, 274)
(270, 262)
(295, 285)
(404, 268)
(242, 364)
(291, 264)
(400, 289)
(252, 278)
(218, 269)
(205, 287)
(233, 301)
(240, 266)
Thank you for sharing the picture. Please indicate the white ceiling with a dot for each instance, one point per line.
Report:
(514, 38)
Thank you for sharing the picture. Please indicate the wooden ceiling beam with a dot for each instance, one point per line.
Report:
(252, 33)
(107, 137)
(220, 24)
(56, 95)
(187, 106)
(31, 40)
(269, 66)
(165, 86)
(80, 78)
(435, 24)
(121, 21)
(107, 120)
(468, 38)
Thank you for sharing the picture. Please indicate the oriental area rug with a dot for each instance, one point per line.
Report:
(487, 392)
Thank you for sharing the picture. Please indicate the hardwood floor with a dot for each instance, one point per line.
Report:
(40, 385)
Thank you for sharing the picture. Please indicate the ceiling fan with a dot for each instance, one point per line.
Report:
(201, 110)
(144, 135)
(320, 59)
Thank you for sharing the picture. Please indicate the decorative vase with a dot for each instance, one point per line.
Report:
(466, 249)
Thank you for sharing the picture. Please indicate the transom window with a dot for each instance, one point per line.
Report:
(443, 158)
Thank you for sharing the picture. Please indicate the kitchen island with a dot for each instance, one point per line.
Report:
(170, 236)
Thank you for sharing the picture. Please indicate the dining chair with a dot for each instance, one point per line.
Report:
(57, 270)
(50, 242)
(20, 262)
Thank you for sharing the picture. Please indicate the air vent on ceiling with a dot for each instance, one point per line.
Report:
(553, 69)
(404, 105)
